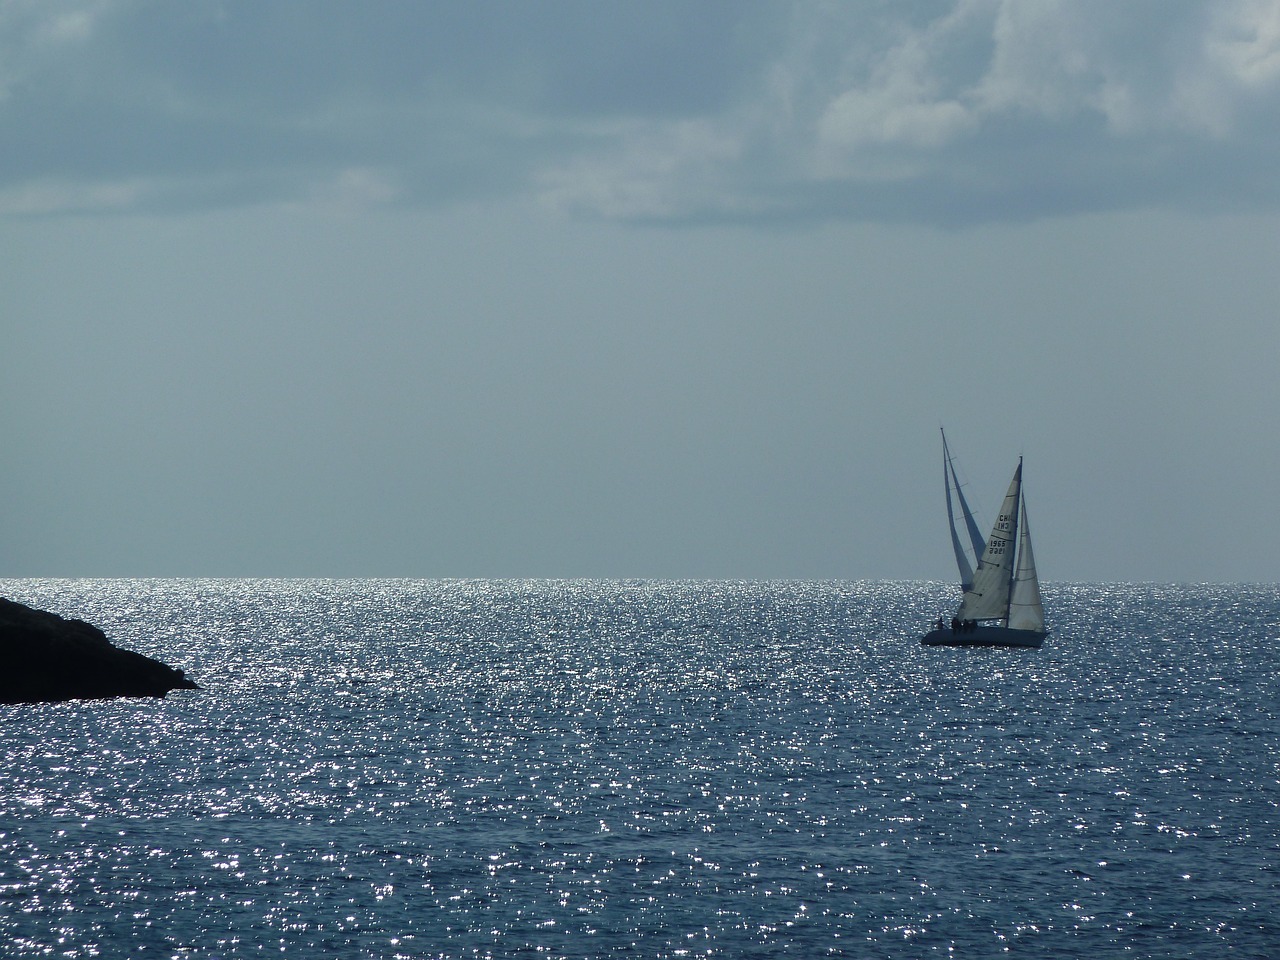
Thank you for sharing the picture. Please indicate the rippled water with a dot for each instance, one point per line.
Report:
(571, 769)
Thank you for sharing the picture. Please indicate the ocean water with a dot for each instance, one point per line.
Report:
(381, 768)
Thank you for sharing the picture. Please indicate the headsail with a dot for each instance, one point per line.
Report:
(988, 597)
(950, 481)
(1025, 609)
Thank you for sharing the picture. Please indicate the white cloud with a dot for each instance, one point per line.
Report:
(904, 105)
(1045, 63)
(42, 197)
(949, 98)
(807, 110)
(1058, 60)
(1245, 43)
(1238, 63)
(907, 99)
(31, 30)
(656, 171)
(358, 187)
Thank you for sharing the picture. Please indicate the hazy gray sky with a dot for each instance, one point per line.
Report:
(661, 289)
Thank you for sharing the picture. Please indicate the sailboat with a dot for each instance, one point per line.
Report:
(1001, 605)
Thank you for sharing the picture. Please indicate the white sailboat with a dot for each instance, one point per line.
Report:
(1001, 605)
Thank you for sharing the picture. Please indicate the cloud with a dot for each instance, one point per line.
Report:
(979, 110)
(905, 100)
(929, 110)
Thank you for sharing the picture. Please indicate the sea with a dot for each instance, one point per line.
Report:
(569, 769)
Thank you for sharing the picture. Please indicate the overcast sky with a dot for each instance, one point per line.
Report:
(652, 289)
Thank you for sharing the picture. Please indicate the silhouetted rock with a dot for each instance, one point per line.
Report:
(44, 658)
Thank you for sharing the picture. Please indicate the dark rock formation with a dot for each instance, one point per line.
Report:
(44, 658)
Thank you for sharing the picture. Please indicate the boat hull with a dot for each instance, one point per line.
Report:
(983, 636)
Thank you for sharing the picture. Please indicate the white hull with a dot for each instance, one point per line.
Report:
(983, 636)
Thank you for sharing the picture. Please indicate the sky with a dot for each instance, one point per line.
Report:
(680, 288)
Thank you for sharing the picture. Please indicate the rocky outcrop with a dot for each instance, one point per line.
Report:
(45, 658)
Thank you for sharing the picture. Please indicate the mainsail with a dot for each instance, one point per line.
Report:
(950, 481)
(988, 597)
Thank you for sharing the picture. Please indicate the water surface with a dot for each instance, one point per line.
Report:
(564, 769)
